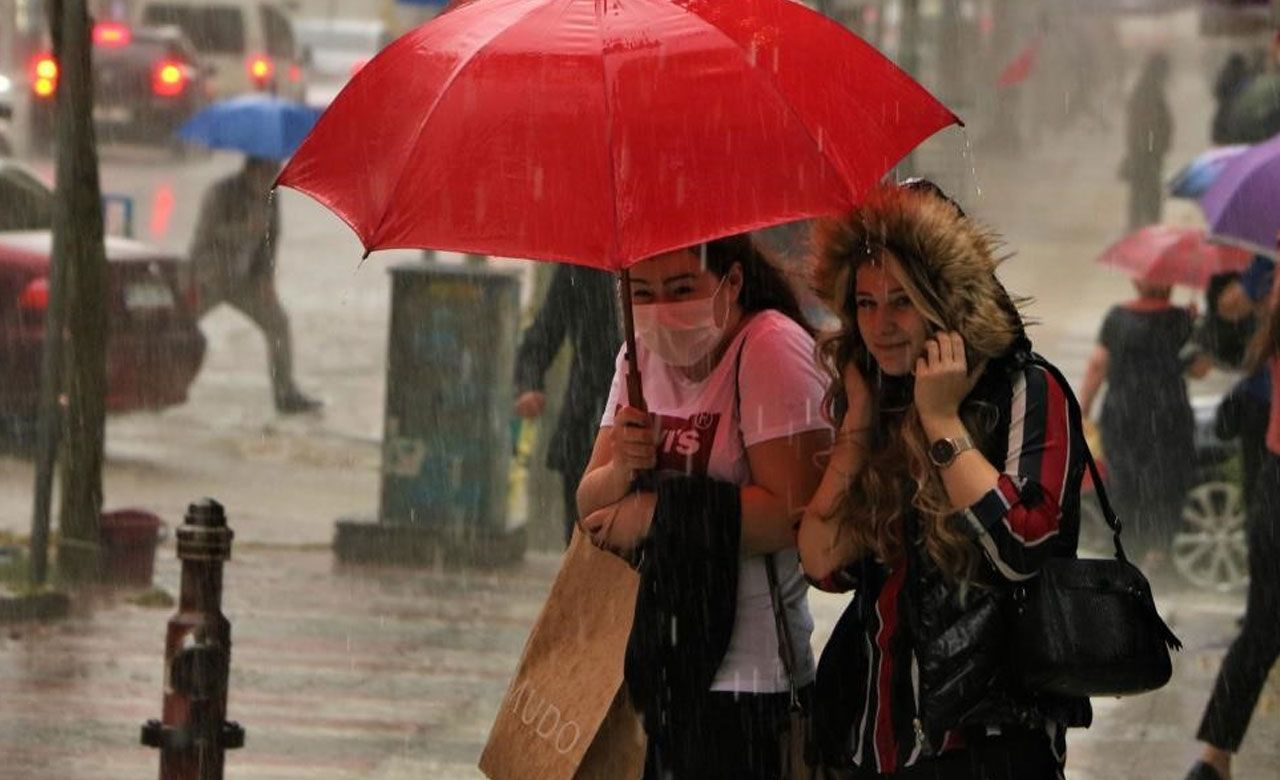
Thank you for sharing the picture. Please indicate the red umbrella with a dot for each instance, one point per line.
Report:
(1167, 255)
(602, 132)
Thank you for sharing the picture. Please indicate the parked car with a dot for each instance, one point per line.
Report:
(147, 82)
(249, 43)
(1208, 548)
(334, 50)
(154, 346)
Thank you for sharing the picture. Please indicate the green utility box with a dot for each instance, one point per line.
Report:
(447, 435)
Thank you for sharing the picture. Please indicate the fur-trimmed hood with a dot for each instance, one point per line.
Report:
(951, 257)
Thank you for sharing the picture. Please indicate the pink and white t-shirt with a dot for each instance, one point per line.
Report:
(779, 391)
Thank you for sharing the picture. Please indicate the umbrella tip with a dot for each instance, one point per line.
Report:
(366, 254)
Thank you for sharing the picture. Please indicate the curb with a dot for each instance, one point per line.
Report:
(48, 605)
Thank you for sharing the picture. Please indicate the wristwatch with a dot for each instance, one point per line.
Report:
(943, 452)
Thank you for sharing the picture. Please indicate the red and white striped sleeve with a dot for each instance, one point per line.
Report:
(1016, 520)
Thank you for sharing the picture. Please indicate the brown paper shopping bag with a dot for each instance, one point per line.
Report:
(566, 714)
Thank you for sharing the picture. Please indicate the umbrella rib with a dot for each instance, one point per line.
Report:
(427, 116)
(608, 138)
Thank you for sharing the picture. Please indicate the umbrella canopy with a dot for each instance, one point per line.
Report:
(1193, 180)
(259, 125)
(1243, 204)
(1167, 255)
(1254, 114)
(602, 134)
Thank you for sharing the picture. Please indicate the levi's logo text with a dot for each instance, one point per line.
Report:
(685, 443)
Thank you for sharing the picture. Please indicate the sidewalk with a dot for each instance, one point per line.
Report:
(341, 673)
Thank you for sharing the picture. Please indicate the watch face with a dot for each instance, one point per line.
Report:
(942, 451)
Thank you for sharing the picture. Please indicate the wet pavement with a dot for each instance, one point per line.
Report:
(342, 672)
(369, 672)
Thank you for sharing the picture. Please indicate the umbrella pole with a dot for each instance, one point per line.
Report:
(635, 392)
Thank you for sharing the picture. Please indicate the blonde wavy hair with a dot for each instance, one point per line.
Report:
(947, 267)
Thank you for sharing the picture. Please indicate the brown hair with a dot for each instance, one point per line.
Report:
(947, 267)
(764, 285)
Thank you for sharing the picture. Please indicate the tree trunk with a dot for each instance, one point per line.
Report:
(78, 247)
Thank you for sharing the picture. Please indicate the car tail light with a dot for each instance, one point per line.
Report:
(169, 78)
(44, 76)
(295, 74)
(261, 69)
(35, 296)
(111, 35)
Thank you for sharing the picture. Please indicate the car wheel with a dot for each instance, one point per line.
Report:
(1209, 548)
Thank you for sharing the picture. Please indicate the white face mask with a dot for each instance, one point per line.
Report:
(680, 333)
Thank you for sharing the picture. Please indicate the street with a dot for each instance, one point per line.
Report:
(367, 672)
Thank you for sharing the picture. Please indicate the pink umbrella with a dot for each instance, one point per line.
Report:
(1168, 255)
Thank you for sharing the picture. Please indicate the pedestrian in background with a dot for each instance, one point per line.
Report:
(1148, 135)
(233, 256)
(1240, 304)
(1254, 652)
(1147, 424)
(1232, 79)
(578, 310)
(955, 474)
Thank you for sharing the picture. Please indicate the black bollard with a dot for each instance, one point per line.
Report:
(194, 734)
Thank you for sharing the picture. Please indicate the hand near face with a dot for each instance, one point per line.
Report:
(942, 376)
(621, 527)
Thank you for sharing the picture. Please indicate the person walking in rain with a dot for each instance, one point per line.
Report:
(1254, 652)
(233, 255)
(1147, 425)
(955, 474)
(1148, 134)
(579, 309)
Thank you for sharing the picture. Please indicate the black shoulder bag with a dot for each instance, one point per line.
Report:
(1089, 627)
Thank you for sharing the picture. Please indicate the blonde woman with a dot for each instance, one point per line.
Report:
(955, 473)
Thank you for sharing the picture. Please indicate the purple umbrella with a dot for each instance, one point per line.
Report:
(1243, 203)
(1195, 178)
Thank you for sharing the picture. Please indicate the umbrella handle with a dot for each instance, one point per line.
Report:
(635, 391)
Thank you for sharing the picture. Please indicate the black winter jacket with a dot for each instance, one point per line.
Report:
(957, 633)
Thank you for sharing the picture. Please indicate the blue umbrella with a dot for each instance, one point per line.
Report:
(1243, 204)
(1195, 177)
(259, 125)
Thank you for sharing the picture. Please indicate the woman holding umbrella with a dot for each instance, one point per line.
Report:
(732, 431)
(956, 472)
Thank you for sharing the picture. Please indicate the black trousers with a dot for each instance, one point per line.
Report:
(735, 736)
(569, 484)
(1246, 666)
(1016, 755)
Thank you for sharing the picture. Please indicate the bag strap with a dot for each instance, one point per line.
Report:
(786, 650)
(1077, 422)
